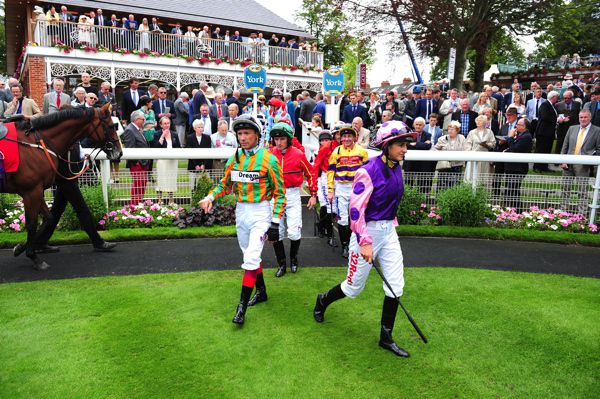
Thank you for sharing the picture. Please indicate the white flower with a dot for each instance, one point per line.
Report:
(159, 218)
(554, 227)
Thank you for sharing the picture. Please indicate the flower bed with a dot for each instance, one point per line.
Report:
(13, 219)
(541, 219)
(145, 214)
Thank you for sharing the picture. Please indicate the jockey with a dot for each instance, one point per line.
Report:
(343, 164)
(277, 111)
(256, 178)
(376, 193)
(320, 166)
(295, 169)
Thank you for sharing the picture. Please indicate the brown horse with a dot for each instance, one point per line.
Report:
(42, 141)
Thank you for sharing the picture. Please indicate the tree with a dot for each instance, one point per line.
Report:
(2, 41)
(357, 51)
(438, 25)
(571, 28)
(327, 23)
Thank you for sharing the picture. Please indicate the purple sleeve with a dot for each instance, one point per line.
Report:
(362, 188)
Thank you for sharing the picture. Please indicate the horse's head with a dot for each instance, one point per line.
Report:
(104, 133)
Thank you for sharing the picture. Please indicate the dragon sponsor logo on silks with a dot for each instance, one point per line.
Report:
(244, 176)
(353, 267)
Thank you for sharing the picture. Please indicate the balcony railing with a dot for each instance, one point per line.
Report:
(68, 34)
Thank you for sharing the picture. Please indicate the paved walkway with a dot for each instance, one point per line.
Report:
(167, 256)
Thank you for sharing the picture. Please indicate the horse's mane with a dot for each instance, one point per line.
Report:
(50, 120)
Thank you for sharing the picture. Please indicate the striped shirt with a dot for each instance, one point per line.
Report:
(343, 164)
(254, 177)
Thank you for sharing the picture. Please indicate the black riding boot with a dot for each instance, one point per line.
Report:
(345, 239)
(294, 255)
(322, 221)
(240, 313)
(324, 300)
(388, 317)
(329, 230)
(261, 291)
(280, 255)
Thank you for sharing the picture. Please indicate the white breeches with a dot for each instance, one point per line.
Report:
(386, 251)
(291, 222)
(252, 222)
(322, 193)
(341, 202)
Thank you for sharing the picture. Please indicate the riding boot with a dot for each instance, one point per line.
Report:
(261, 290)
(294, 255)
(388, 317)
(240, 312)
(280, 255)
(345, 239)
(322, 222)
(324, 300)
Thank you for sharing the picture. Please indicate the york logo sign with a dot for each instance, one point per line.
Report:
(333, 81)
(255, 78)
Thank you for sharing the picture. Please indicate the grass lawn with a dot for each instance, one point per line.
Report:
(492, 335)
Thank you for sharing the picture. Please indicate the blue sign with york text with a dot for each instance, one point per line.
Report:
(255, 78)
(333, 81)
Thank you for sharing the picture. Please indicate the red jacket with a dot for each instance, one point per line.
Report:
(296, 168)
(322, 160)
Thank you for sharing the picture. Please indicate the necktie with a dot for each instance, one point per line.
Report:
(162, 106)
(428, 110)
(58, 99)
(537, 107)
(354, 109)
(134, 97)
(219, 111)
(579, 141)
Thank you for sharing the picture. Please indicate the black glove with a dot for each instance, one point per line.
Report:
(273, 232)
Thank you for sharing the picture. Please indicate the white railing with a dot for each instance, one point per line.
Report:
(69, 34)
(535, 189)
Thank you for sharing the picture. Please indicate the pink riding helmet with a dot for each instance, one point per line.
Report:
(393, 130)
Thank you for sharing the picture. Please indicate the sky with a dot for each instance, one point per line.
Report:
(384, 68)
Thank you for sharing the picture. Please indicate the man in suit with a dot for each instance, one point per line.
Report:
(216, 34)
(133, 137)
(307, 108)
(465, 116)
(594, 107)
(236, 37)
(582, 139)
(344, 101)
(105, 96)
(99, 19)
(65, 28)
(178, 39)
(210, 123)
(219, 109)
(499, 97)
(321, 106)
(531, 94)
(199, 98)
(53, 100)
(353, 110)
(234, 111)
(568, 115)
(426, 106)
(501, 146)
(546, 129)
(21, 105)
(162, 106)
(509, 97)
(533, 107)
(519, 140)
(235, 98)
(115, 34)
(131, 98)
(182, 110)
(491, 99)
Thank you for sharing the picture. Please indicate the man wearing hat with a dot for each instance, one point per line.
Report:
(296, 168)
(376, 193)
(256, 178)
(344, 161)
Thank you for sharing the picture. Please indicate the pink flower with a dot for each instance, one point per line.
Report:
(102, 222)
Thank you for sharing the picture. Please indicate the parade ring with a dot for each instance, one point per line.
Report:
(147, 330)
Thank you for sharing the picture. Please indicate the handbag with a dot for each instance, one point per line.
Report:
(443, 165)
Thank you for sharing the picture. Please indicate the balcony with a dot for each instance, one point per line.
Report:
(69, 36)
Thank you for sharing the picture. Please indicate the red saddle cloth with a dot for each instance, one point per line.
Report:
(10, 149)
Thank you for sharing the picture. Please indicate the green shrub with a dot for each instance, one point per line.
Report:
(228, 200)
(463, 206)
(203, 186)
(7, 203)
(412, 208)
(94, 200)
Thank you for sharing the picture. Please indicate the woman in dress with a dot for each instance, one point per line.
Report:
(519, 106)
(144, 30)
(83, 29)
(149, 118)
(166, 169)
(480, 139)
(449, 173)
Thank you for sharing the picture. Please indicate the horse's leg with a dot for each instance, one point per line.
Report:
(33, 203)
(47, 216)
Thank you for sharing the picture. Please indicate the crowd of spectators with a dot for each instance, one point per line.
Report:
(150, 34)
(496, 119)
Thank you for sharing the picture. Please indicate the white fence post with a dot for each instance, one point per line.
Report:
(594, 205)
(105, 176)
